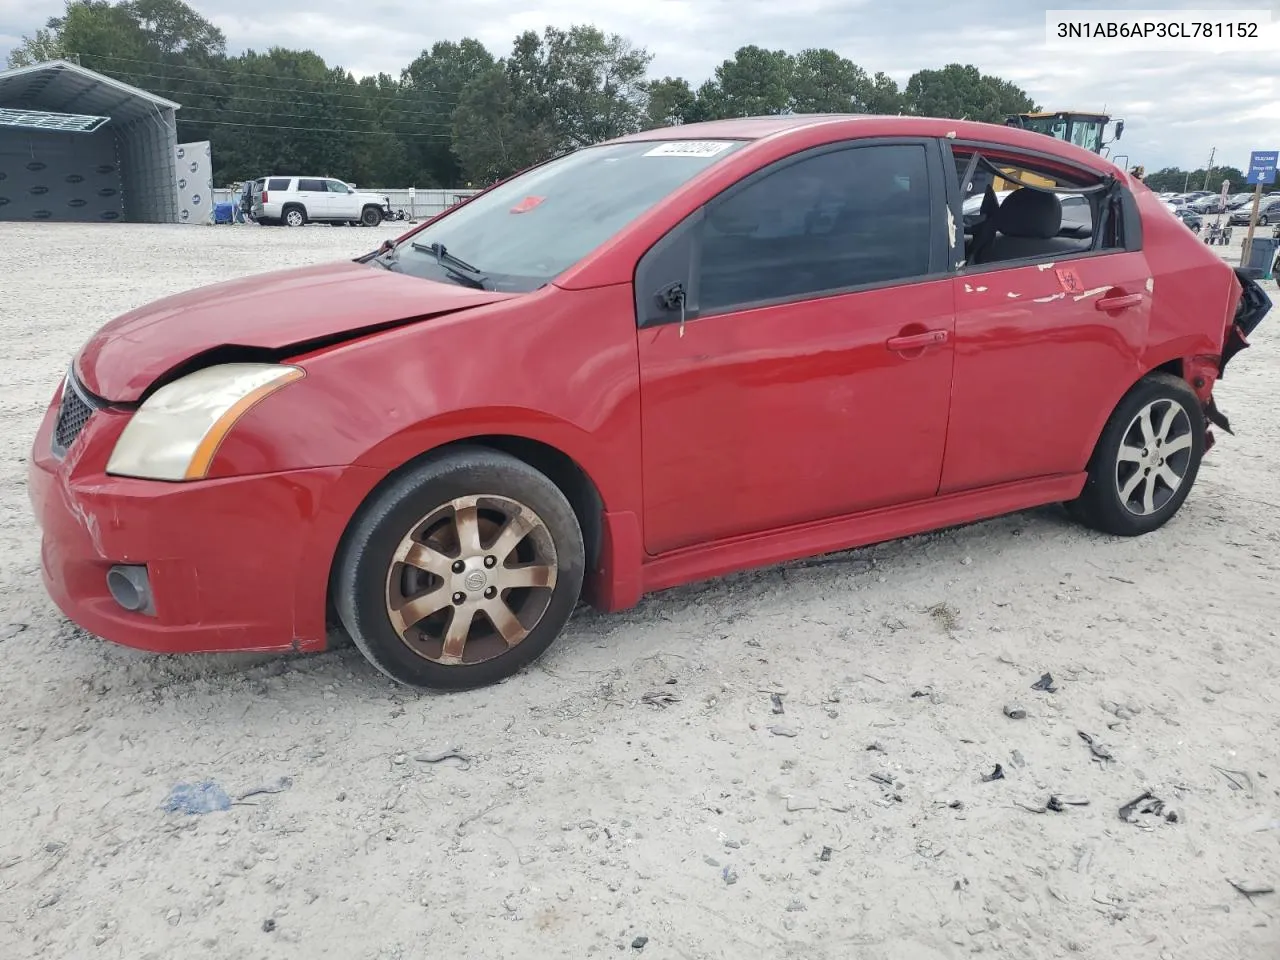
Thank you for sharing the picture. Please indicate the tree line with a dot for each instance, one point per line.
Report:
(459, 114)
(1177, 180)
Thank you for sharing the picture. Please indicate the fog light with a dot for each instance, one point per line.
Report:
(131, 588)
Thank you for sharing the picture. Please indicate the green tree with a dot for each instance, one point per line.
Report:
(882, 96)
(822, 81)
(754, 82)
(45, 44)
(431, 87)
(962, 92)
(491, 136)
(671, 101)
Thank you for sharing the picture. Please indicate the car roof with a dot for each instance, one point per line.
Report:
(804, 126)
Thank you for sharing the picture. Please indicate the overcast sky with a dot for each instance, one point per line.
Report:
(1176, 104)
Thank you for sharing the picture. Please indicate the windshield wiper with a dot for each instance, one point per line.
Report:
(460, 269)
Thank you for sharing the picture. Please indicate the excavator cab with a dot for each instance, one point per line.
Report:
(1085, 130)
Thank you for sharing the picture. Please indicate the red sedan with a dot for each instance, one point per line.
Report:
(654, 360)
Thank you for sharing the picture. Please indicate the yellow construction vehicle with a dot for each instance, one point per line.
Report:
(1084, 129)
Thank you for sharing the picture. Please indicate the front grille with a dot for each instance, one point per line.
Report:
(73, 413)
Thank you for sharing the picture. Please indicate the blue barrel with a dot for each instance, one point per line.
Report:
(222, 212)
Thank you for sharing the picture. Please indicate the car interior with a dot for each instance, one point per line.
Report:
(1029, 222)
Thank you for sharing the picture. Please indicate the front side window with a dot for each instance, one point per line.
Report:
(337, 186)
(839, 219)
(525, 232)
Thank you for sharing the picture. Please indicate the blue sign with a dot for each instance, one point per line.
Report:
(1262, 166)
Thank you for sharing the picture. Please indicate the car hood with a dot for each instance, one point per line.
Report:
(269, 312)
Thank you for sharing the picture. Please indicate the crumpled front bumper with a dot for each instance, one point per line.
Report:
(238, 564)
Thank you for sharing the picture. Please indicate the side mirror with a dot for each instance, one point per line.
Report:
(1119, 128)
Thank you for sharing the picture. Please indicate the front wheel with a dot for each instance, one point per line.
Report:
(1146, 460)
(371, 216)
(461, 571)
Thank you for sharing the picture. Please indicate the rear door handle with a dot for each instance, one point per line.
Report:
(1118, 303)
(917, 341)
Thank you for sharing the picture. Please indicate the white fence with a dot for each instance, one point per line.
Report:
(425, 203)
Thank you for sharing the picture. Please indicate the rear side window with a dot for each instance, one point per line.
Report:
(311, 186)
(278, 184)
(840, 219)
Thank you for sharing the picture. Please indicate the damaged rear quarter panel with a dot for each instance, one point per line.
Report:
(1193, 292)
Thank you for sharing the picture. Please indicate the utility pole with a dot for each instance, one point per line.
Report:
(1186, 183)
(1209, 169)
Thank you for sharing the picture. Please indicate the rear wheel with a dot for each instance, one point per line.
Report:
(1146, 460)
(460, 572)
(295, 217)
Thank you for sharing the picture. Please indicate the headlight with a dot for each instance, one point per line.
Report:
(175, 434)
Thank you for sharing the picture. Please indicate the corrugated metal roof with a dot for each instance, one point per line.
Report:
(66, 87)
(48, 120)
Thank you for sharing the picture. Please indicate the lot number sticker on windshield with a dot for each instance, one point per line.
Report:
(689, 148)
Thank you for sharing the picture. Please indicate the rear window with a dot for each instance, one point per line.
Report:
(525, 232)
(278, 184)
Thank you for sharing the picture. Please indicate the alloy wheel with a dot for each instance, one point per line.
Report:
(1154, 457)
(471, 579)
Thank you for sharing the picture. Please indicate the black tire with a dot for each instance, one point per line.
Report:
(362, 572)
(293, 216)
(1101, 504)
(371, 216)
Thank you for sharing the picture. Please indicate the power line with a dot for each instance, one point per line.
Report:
(380, 113)
(354, 133)
(344, 81)
(272, 114)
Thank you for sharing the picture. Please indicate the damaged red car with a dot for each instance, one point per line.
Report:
(654, 360)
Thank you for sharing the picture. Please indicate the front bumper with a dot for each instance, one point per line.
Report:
(237, 564)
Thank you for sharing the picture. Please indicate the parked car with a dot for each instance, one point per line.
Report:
(1190, 218)
(1268, 211)
(295, 201)
(654, 360)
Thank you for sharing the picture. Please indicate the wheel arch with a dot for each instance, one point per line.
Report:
(569, 477)
(1174, 366)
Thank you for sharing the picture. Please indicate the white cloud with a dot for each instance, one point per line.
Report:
(1177, 105)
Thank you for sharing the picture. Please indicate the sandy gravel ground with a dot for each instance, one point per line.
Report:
(854, 824)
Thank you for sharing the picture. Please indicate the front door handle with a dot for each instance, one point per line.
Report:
(1118, 303)
(917, 341)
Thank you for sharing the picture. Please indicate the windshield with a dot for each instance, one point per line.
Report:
(522, 234)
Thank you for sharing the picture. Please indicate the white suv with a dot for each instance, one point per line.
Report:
(294, 201)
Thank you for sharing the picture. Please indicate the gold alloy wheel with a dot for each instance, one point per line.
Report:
(471, 579)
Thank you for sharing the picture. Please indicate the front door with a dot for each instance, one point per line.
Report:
(342, 202)
(813, 379)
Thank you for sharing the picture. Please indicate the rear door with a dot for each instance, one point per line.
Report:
(1045, 345)
(314, 195)
(807, 371)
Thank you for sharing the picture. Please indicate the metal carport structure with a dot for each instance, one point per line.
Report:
(76, 145)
